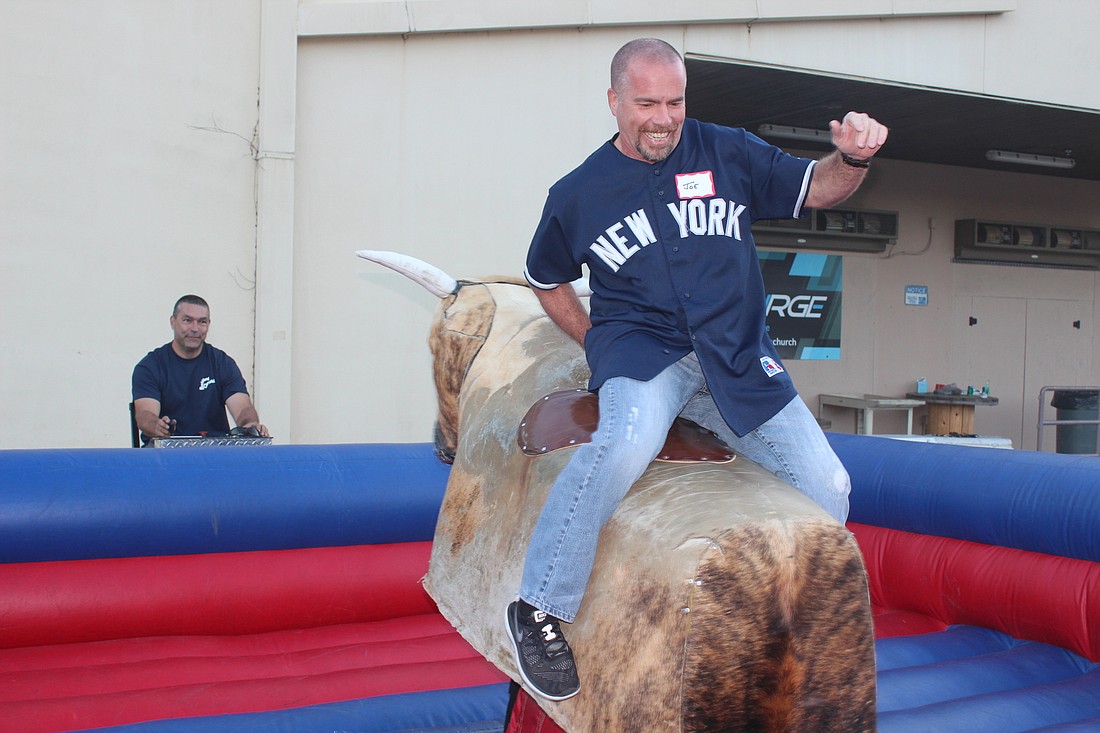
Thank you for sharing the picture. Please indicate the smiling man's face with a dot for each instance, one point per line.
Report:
(650, 108)
(190, 324)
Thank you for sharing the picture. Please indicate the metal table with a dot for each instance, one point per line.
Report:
(866, 405)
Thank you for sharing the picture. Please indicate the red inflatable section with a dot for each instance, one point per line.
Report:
(93, 643)
(231, 593)
(1027, 595)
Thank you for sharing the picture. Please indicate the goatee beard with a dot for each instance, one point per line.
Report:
(653, 157)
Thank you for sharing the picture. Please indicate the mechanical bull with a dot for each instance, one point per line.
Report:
(722, 598)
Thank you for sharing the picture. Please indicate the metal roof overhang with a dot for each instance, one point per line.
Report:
(926, 125)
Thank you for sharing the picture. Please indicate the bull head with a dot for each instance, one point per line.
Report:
(459, 329)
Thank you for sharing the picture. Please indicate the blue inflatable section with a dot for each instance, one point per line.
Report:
(975, 666)
(980, 681)
(899, 652)
(1040, 502)
(1092, 725)
(97, 503)
(439, 711)
(1012, 711)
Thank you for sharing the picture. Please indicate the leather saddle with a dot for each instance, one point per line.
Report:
(569, 417)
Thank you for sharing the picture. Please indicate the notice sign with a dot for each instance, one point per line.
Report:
(916, 295)
(803, 311)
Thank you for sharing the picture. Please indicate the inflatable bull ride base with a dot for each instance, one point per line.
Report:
(360, 588)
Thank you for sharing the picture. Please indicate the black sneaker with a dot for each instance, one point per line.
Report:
(542, 653)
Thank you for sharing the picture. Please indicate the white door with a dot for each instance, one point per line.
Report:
(989, 343)
(1020, 345)
(1059, 353)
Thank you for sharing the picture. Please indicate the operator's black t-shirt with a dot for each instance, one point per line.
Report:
(190, 391)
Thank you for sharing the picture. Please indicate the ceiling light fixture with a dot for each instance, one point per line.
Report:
(796, 133)
(1047, 161)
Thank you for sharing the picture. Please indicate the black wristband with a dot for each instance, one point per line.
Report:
(855, 162)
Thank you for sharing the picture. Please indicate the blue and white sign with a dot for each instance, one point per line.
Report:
(916, 295)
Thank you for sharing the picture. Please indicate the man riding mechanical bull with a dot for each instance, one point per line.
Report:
(707, 596)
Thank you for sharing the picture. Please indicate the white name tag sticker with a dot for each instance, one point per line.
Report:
(695, 185)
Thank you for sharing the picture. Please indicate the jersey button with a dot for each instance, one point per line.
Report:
(687, 296)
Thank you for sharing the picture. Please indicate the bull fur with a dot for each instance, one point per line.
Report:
(722, 599)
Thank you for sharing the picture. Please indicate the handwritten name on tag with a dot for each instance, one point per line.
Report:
(695, 185)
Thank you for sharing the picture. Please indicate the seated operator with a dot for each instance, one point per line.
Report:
(185, 386)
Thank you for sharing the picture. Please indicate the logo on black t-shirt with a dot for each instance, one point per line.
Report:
(206, 382)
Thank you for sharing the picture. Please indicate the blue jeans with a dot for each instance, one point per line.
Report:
(634, 421)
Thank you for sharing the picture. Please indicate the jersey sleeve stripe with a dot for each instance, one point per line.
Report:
(798, 204)
(535, 283)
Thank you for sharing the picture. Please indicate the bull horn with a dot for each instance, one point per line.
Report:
(434, 280)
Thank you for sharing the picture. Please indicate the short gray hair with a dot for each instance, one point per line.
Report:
(649, 48)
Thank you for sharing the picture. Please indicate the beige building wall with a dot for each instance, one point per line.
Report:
(126, 180)
(144, 163)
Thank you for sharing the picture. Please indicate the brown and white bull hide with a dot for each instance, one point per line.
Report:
(722, 599)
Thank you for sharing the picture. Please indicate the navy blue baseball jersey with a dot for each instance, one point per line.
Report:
(672, 263)
(191, 391)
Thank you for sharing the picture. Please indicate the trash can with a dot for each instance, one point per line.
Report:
(1076, 404)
